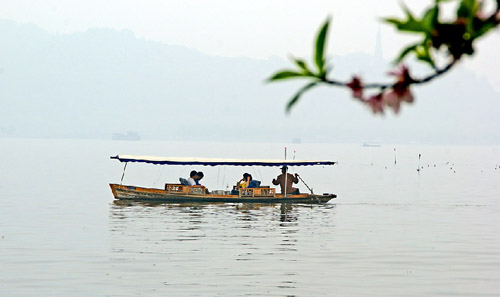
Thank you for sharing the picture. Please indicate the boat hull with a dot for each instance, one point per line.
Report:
(133, 193)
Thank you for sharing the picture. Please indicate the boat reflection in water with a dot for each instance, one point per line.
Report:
(288, 212)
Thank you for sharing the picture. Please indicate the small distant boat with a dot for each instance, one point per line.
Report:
(130, 135)
(368, 144)
(178, 193)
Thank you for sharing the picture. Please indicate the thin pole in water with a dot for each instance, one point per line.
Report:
(394, 156)
(123, 174)
(418, 168)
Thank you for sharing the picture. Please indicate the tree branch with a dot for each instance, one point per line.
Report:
(438, 72)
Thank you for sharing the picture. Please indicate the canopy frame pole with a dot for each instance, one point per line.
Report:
(123, 174)
(286, 175)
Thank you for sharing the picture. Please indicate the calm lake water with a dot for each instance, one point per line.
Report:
(392, 231)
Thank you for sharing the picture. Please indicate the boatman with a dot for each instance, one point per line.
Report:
(286, 180)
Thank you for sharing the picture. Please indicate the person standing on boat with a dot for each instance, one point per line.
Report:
(286, 180)
(192, 178)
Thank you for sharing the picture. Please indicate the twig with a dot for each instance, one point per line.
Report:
(382, 86)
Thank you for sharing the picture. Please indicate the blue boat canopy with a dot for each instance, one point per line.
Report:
(218, 162)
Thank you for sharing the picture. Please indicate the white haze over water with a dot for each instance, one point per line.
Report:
(257, 29)
(195, 70)
(97, 83)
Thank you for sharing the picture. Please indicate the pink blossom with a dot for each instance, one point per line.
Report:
(403, 92)
(402, 75)
(392, 100)
(400, 90)
(356, 87)
(375, 103)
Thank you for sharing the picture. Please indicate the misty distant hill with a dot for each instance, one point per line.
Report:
(100, 82)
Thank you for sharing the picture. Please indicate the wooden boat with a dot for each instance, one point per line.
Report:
(178, 193)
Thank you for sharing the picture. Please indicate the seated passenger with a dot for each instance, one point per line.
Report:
(254, 184)
(244, 182)
(192, 178)
(183, 181)
(247, 182)
(199, 176)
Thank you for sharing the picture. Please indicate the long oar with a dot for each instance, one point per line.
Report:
(305, 184)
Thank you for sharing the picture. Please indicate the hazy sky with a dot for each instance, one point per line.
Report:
(256, 28)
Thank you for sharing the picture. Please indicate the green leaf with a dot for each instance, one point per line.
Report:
(409, 25)
(302, 65)
(393, 21)
(467, 9)
(423, 54)
(430, 19)
(319, 58)
(285, 74)
(485, 27)
(405, 52)
(296, 98)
